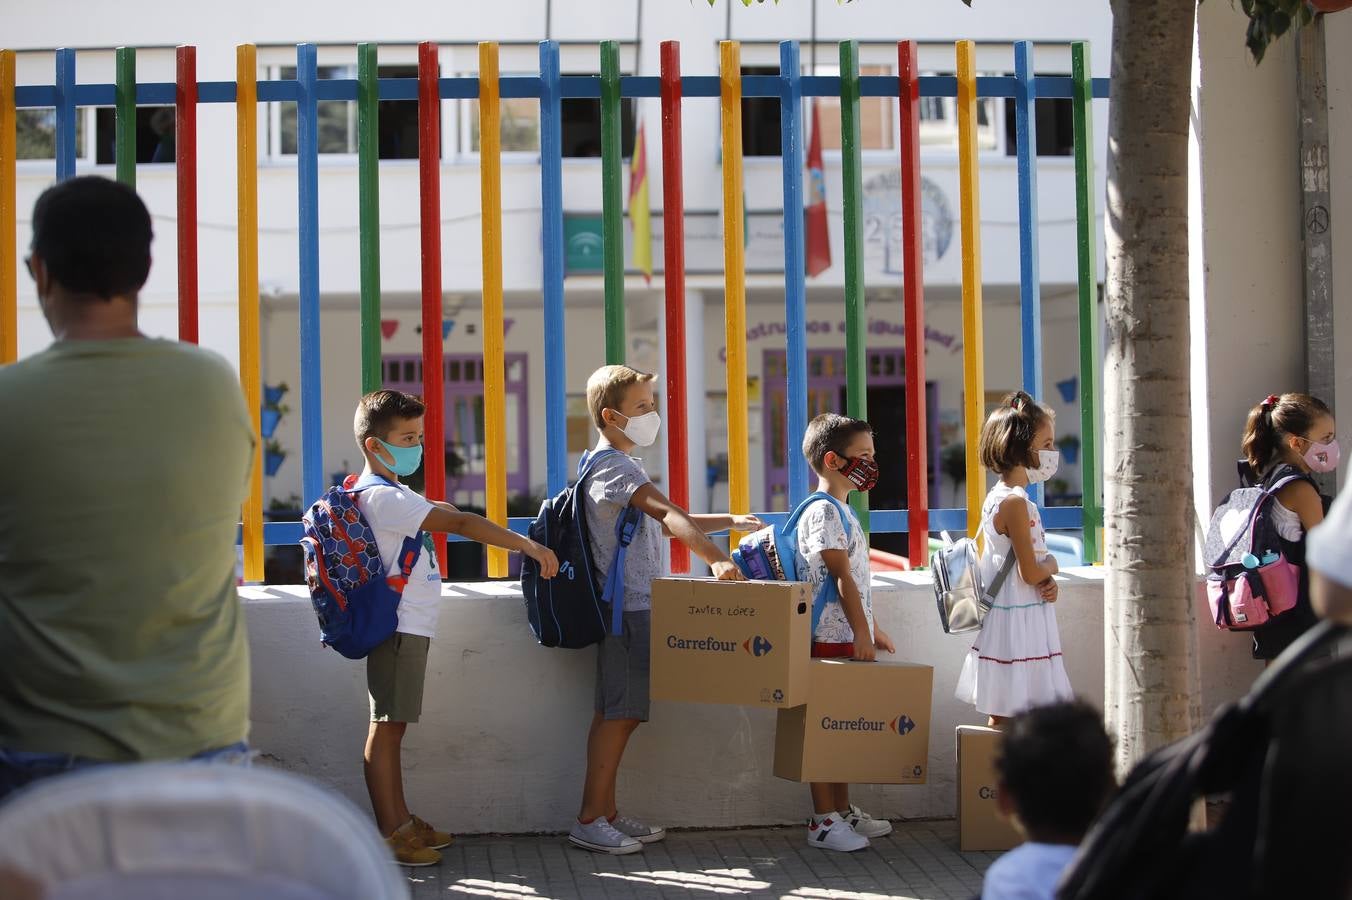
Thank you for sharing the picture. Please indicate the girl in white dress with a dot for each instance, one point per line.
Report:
(1015, 663)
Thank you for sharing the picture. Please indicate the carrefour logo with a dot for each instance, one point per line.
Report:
(901, 725)
(756, 645)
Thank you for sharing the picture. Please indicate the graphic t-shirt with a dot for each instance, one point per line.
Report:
(611, 482)
(394, 514)
(821, 528)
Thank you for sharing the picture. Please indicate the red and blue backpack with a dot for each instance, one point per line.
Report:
(353, 595)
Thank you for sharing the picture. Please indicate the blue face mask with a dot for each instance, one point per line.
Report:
(406, 459)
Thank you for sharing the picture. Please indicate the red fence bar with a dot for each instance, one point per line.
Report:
(185, 159)
(913, 282)
(429, 195)
(673, 245)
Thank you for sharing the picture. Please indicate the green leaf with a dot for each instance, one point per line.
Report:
(1246, 5)
(1279, 23)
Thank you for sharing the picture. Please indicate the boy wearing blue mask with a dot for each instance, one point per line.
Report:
(389, 430)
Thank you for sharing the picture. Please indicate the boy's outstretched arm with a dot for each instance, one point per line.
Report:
(713, 522)
(677, 523)
(447, 518)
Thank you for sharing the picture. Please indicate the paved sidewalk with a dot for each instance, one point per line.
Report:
(918, 860)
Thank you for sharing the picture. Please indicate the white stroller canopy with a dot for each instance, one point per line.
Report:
(209, 832)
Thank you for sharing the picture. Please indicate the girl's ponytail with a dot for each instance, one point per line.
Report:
(1260, 436)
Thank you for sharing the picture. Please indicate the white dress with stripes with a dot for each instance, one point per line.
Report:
(1016, 662)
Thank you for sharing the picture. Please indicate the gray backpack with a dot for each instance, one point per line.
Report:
(962, 598)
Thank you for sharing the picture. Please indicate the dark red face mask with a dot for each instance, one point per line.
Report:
(862, 472)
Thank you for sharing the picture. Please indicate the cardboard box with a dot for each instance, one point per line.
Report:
(863, 723)
(741, 642)
(980, 824)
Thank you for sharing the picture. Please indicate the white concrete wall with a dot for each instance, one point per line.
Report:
(501, 743)
(1249, 342)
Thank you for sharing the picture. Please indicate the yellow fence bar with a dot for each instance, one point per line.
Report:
(9, 213)
(495, 388)
(734, 264)
(973, 376)
(250, 357)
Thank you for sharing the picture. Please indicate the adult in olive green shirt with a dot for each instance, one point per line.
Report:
(125, 460)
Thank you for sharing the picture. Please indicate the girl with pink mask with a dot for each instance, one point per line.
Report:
(1291, 434)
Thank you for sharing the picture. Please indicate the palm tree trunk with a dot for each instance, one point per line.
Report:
(1151, 687)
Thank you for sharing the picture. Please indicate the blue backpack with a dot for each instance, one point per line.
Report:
(354, 597)
(571, 610)
(771, 554)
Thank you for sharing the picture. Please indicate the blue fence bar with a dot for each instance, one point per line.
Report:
(795, 278)
(585, 86)
(307, 177)
(65, 101)
(1030, 284)
(551, 212)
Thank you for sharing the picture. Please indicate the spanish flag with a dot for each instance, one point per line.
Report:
(640, 217)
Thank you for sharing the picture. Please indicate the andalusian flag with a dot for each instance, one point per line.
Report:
(639, 214)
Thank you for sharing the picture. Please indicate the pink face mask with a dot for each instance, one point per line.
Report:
(1323, 457)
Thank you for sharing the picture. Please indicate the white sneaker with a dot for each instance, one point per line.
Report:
(864, 824)
(644, 834)
(834, 833)
(600, 836)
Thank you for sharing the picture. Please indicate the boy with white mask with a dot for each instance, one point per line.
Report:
(624, 410)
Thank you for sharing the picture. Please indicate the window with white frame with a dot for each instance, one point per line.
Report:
(939, 120)
(519, 124)
(877, 115)
(35, 134)
(581, 127)
(397, 133)
(155, 130)
(1054, 119)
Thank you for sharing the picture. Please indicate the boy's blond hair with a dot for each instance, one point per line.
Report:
(606, 387)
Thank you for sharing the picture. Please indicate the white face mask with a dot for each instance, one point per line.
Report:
(1048, 460)
(642, 430)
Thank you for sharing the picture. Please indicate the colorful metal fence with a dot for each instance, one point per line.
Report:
(65, 95)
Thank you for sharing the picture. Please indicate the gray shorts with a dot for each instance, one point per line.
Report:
(395, 672)
(622, 670)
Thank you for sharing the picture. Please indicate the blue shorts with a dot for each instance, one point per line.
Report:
(19, 768)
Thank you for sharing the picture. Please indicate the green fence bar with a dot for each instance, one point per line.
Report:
(368, 193)
(124, 133)
(852, 197)
(612, 201)
(1090, 353)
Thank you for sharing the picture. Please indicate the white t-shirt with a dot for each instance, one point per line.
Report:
(820, 528)
(1028, 872)
(1328, 549)
(394, 514)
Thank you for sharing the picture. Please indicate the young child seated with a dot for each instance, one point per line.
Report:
(1055, 770)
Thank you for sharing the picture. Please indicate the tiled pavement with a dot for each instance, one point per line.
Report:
(918, 860)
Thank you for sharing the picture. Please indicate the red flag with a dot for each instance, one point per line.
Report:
(818, 238)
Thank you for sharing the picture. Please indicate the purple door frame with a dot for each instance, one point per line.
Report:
(464, 377)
